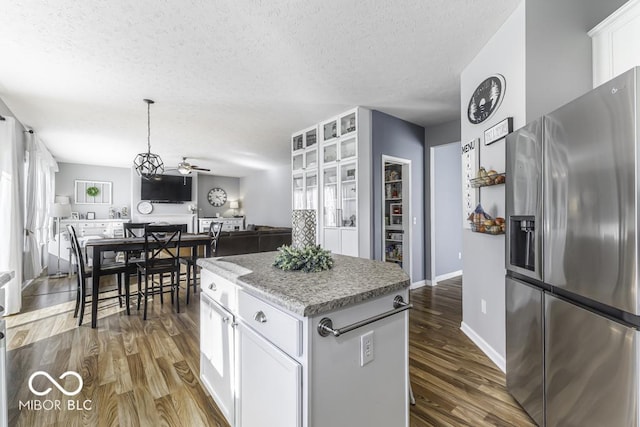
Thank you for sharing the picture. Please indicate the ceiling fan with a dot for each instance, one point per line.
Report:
(185, 168)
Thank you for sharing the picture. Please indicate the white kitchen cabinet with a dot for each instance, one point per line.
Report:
(283, 372)
(615, 43)
(269, 382)
(343, 177)
(304, 169)
(339, 197)
(217, 354)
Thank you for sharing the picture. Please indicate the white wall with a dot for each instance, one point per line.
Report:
(267, 196)
(483, 254)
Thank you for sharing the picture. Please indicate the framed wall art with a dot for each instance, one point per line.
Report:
(92, 192)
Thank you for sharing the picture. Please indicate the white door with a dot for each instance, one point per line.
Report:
(217, 354)
(269, 382)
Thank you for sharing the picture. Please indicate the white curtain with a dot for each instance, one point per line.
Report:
(11, 218)
(40, 176)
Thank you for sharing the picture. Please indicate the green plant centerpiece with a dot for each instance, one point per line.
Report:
(93, 191)
(310, 259)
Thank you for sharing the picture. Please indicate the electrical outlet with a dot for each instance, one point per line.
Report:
(415, 220)
(366, 348)
(459, 255)
(483, 306)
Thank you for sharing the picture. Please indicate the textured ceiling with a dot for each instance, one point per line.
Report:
(231, 79)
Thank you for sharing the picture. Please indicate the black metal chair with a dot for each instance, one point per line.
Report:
(161, 256)
(84, 273)
(190, 261)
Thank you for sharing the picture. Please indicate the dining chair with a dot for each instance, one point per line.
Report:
(161, 255)
(133, 230)
(85, 272)
(190, 261)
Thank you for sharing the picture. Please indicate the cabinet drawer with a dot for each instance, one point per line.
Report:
(275, 325)
(219, 289)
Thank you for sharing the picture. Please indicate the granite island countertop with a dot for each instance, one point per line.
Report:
(5, 277)
(350, 281)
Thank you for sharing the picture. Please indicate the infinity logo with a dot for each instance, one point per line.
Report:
(55, 383)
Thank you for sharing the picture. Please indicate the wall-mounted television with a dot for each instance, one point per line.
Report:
(167, 189)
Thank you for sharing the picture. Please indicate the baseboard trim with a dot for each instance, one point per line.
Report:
(448, 275)
(484, 346)
(421, 283)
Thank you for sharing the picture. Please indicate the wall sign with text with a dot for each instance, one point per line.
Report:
(498, 131)
(470, 166)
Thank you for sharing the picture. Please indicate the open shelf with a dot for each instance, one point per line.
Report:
(476, 228)
(489, 180)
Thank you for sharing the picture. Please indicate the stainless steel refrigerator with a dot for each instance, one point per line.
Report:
(572, 292)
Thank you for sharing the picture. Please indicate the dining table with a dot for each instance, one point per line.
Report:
(96, 247)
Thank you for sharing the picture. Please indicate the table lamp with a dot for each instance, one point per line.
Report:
(234, 204)
(59, 209)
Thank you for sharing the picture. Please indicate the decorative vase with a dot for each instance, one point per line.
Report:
(303, 232)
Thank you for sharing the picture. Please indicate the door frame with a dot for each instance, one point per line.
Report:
(406, 187)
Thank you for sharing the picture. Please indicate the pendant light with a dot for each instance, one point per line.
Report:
(148, 165)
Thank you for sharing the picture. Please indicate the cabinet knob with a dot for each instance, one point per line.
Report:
(260, 317)
(213, 286)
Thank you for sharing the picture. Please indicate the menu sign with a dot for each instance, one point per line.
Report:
(470, 166)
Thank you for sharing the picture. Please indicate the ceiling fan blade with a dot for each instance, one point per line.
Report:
(198, 168)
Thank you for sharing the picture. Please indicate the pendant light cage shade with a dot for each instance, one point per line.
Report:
(148, 165)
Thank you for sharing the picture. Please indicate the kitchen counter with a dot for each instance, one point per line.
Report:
(267, 358)
(350, 281)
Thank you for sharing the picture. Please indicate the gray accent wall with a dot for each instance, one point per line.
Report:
(229, 184)
(395, 137)
(447, 208)
(559, 53)
(120, 178)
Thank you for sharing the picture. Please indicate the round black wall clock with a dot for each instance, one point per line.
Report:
(486, 99)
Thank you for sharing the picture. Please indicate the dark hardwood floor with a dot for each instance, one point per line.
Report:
(146, 373)
(454, 383)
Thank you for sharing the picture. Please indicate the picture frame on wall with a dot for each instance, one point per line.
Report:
(92, 192)
(91, 215)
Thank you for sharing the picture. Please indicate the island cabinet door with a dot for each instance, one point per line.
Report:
(217, 354)
(269, 381)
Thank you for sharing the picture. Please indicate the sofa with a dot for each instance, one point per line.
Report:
(259, 239)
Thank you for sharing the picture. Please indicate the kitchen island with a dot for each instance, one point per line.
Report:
(305, 349)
